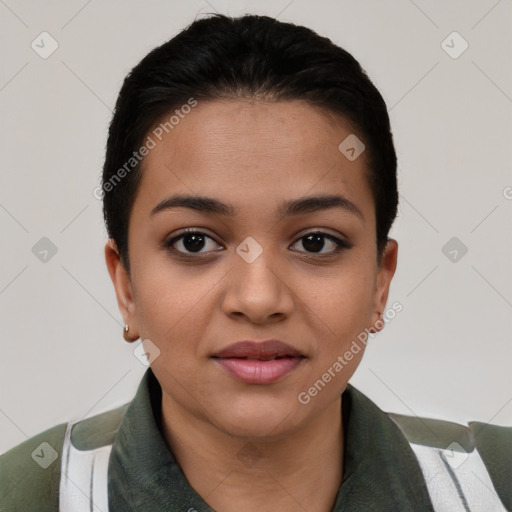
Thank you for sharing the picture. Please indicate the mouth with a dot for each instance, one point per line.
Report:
(259, 362)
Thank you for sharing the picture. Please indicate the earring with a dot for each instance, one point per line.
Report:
(126, 337)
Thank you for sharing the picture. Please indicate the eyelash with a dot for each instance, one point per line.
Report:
(340, 244)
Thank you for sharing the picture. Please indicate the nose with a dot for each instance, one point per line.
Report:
(258, 291)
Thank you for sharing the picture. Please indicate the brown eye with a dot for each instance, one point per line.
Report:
(315, 242)
(191, 242)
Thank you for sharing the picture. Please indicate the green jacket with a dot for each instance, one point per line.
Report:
(391, 463)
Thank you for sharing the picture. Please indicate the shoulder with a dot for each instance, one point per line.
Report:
(466, 452)
(30, 472)
(433, 432)
(492, 441)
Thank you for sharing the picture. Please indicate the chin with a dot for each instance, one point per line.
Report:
(258, 419)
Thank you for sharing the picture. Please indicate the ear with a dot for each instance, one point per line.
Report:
(387, 267)
(122, 285)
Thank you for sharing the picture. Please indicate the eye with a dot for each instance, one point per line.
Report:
(191, 242)
(315, 242)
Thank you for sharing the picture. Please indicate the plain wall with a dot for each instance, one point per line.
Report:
(448, 354)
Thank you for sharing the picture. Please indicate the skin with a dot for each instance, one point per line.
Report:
(253, 155)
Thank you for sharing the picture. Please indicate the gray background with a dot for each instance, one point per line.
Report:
(447, 354)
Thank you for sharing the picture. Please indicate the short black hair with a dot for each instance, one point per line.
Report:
(222, 57)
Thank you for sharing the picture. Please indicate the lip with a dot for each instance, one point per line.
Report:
(261, 362)
(262, 350)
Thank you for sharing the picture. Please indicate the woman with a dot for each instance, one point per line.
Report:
(249, 187)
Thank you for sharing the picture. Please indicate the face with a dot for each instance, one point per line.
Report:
(261, 261)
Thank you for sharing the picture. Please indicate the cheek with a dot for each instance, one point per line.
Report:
(343, 298)
(171, 304)
(342, 305)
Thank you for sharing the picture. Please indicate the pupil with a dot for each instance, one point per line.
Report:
(193, 242)
(313, 243)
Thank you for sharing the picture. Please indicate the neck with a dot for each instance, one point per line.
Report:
(301, 471)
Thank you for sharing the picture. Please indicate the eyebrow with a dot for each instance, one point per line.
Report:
(288, 208)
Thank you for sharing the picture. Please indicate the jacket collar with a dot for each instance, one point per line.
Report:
(380, 469)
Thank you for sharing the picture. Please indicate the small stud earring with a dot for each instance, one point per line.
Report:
(126, 337)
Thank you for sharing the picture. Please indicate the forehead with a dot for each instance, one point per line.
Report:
(253, 152)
